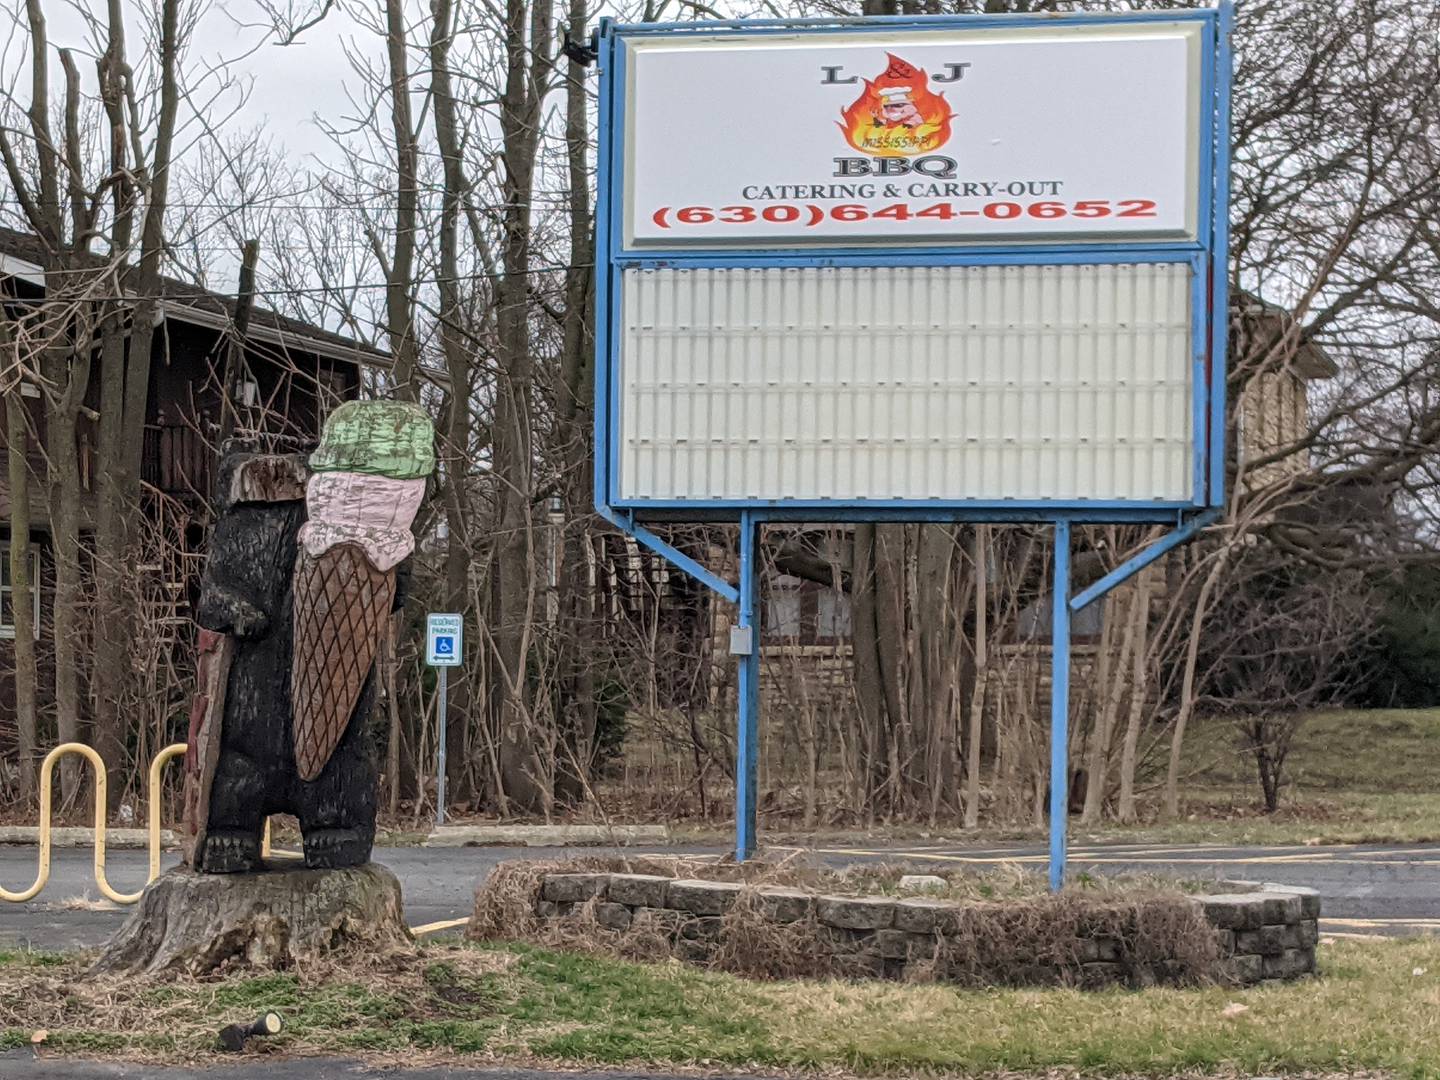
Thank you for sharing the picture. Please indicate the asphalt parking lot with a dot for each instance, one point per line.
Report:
(1366, 890)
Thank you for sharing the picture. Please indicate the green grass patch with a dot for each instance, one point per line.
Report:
(615, 1012)
(1372, 750)
(1376, 1007)
(28, 958)
(1352, 776)
(1369, 1011)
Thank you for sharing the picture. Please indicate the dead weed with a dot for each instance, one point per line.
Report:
(1027, 938)
(180, 1015)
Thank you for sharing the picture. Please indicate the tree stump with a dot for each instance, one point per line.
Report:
(192, 923)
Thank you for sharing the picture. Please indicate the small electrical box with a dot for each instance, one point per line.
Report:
(742, 640)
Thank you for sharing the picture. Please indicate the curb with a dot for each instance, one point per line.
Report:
(545, 835)
(74, 836)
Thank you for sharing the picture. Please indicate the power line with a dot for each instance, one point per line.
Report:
(171, 204)
(89, 297)
(182, 245)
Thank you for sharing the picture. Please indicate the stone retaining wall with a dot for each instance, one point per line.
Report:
(1266, 934)
(1270, 933)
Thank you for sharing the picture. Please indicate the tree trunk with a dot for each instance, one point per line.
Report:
(890, 640)
(456, 457)
(982, 678)
(112, 568)
(22, 602)
(1187, 692)
(930, 777)
(1269, 769)
(526, 742)
(70, 594)
(235, 354)
(194, 924)
(399, 281)
(124, 405)
(1107, 689)
(387, 669)
(579, 714)
(869, 695)
(1140, 622)
(65, 361)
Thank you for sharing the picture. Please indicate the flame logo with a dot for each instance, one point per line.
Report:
(898, 115)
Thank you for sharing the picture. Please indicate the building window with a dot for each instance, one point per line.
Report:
(1036, 619)
(832, 615)
(782, 608)
(782, 615)
(7, 609)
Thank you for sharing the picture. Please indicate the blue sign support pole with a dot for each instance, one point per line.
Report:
(747, 736)
(443, 712)
(1060, 706)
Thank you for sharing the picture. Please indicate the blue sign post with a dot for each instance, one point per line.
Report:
(927, 289)
(444, 649)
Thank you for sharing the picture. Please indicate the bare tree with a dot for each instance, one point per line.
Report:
(45, 172)
(1291, 634)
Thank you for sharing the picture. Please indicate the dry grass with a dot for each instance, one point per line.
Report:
(796, 869)
(1021, 942)
(505, 901)
(180, 1016)
(750, 944)
(1376, 1009)
(1028, 937)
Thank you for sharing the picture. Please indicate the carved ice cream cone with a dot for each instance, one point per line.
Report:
(368, 482)
(341, 604)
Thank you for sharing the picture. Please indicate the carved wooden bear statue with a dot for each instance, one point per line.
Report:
(291, 614)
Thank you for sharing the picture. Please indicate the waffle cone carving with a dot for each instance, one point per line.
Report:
(341, 604)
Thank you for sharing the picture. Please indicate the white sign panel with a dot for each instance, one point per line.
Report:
(444, 639)
(868, 384)
(987, 136)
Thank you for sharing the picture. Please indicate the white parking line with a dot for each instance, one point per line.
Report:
(436, 927)
(1082, 856)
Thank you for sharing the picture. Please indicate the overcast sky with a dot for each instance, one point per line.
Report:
(289, 85)
(293, 83)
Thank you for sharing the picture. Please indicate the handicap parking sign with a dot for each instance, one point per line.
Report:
(444, 635)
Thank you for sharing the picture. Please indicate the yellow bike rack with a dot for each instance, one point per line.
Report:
(47, 770)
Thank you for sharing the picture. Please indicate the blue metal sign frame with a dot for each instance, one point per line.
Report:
(1206, 255)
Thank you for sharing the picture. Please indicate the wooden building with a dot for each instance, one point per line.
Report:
(290, 375)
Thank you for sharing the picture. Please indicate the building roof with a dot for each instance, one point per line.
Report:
(23, 256)
(1312, 361)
